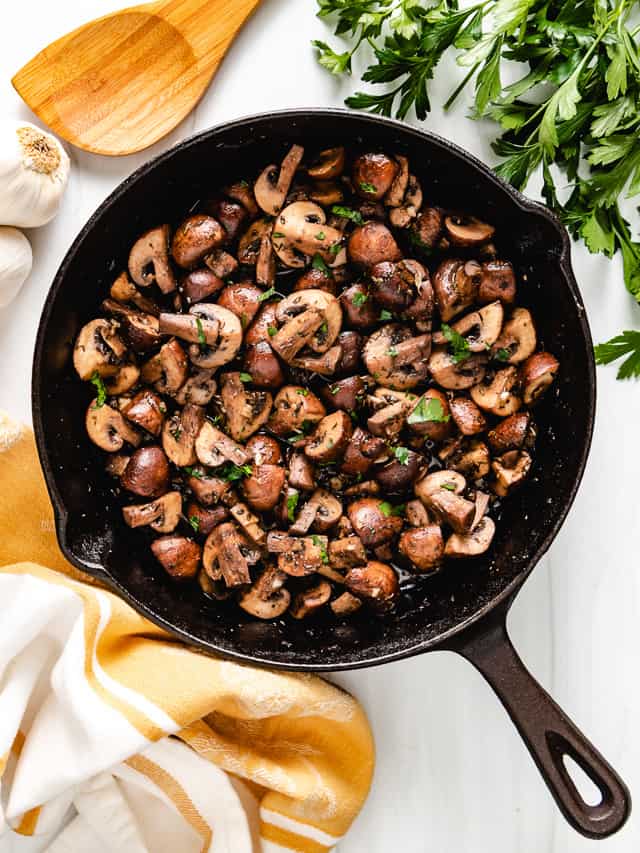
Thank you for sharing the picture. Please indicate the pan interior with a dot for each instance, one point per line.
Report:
(162, 191)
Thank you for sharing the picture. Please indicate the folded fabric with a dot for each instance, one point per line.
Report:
(113, 736)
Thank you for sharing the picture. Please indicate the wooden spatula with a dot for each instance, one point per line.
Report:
(120, 83)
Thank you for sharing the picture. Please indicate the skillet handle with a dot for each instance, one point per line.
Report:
(548, 733)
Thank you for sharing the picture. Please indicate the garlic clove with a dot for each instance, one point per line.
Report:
(34, 169)
(15, 263)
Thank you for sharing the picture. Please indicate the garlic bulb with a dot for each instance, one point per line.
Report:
(15, 263)
(34, 168)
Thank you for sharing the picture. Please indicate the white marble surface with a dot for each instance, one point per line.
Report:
(452, 775)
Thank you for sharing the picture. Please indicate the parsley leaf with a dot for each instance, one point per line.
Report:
(388, 509)
(266, 295)
(625, 344)
(292, 503)
(271, 331)
(201, 338)
(402, 455)
(193, 472)
(246, 377)
(458, 346)
(385, 315)
(231, 472)
(366, 187)
(101, 391)
(427, 410)
(194, 521)
(318, 263)
(502, 354)
(347, 213)
(359, 299)
(323, 551)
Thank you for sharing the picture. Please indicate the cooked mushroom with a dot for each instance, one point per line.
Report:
(373, 521)
(263, 487)
(347, 552)
(108, 429)
(471, 459)
(295, 409)
(230, 214)
(393, 284)
(373, 175)
(242, 192)
(456, 375)
(310, 600)
(140, 329)
(423, 547)
(471, 544)
(497, 281)
(200, 284)
(301, 302)
(297, 333)
(416, 513)
(250, 524)
(243, 299)
(246, 410)
(251, 241)
(324, 364)
(510, 470)
(124, 380)
(199, 389)
(178, 556)
(326, 510)
(223, 555)
(359, 307)
(482, 501)
(498, 394)
(267, 598)
(179, 435)
(345, 394)
(350, 344)
(194, 238)
(327, 193)
(262, 365)
(468, 231)
(98, 349)
(213, 447)
(301, 472)
(395, 194)
(302, 556)
(372, 243)
(329, 164)
(203, 331)
(467, 416)
(426, 231)
(330, 438)
(376, 582)
(273, 184)
(301, 226)
(229, 336)
(398, 474)
(440, 492)
(149, 260)
(345, 604)
(316, 279)
(147, 472)
(162, 514)
(116, 464)
(396, 359)
(512, 433)
(208, 490)
(517, 341)
(455, 284)
(430, 415)
(205, 519)
(536, 375)
(124, 290)
(221, 263)
(389, 421)
(407, 211)
(480, 329)
(167, 371)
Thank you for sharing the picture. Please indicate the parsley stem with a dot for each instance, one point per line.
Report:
(452, 98)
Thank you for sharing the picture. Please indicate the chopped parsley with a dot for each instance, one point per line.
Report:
(450, 487)
(458, 346)
(292, 503)
(335, 248)
(366, 187)
(101, 395)
(324, 328)
(244, 320)
(194, 521)
(176, 432)
(502, 354)
(335, 390)
(201, 338)
(193, 472)
(246, 377)
(386, 315)
(392, 351)
(303, 392)
(266, 295)
(323, 551)
(347, 213)
(428, 409)
(320, 235)
(359, 299)
(402, 455)
(318, 263)
(277, 234)
(388, 509)
(231, 472)
(271, 331)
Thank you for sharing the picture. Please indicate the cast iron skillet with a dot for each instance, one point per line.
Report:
(464, 608)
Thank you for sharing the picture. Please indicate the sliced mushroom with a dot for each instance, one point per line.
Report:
(517, 340)
(242, 192)
(262, 365)
(395, 194)
(403, 216)
(302, 226)
(471, 544)
(327, 193)
(162, 515)
(124, 380)
(372, 243)
(350, 344)
(194, 238)
(455, 285)
(330, 438)
(373, 175)
(250, 523)
(310, 600)
(264, 450)
(221, 263)
(295, 408)
(199, 389)
(347, 552)
(324, 365)
(246, 410)
(393, 284)
(307, 300)
(327, 511)
(179, 435)
(266, 264)
(178, 556)
(190, 328)
(440, 494)
(329, 164)
(205, 519)
(359, 306)
(146, 473)
(371, 523)
(497, 396)
(468, 231)
(251, 241)
(396, 359)
(140, 329)
(98, 349)
(297, 333)
(416, 513)
(389, 421)
(116, 464)
(423, 547)
(208, 490)
(167, 371)
(431, 419)
(398, 474)
(264, 486)
(510, 470)
(376, 582)
(426, 231)
(273, 184)
(223, 555)
(512, 433)
(213, 447)
(243, 299)
(303, 556)
(267, 598)
(199, 285)
(107, 428)
(229, 338)
(482, 501)
(536, 375)
(497, 281)
(467, 416)
(452, 481)
(471, 459)
(480, 329)
(149, 260)
(124, 290)
(301, 472)
(456, 376)
(345, 604)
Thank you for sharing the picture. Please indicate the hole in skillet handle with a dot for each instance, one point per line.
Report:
(548, 733)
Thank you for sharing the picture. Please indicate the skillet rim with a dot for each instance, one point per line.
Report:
(441, 641)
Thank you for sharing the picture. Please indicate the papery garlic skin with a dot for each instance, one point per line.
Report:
(15, 263)
(34, 169)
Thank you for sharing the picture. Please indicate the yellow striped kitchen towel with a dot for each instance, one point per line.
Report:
(113, 736)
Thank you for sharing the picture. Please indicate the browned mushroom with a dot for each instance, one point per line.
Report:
(395, 194)
(324, 364)
(467, 416)
(221, 263)
(140, 329)
(497, 281)
(293, 306)
(345, 604)
(455, 284)
(205, 519)
(345, 394)
(295, 409)
(243, 299)
(267, 598)
(149, 260)
(423, 547)
(347, 552)
(469, 458)
(116, 464)
(246, 410)
(301, 472)
(373, 175)
(430, 415)
(309, 600)
(440, 492)
(497, 395)
(264, 450)
(471, 544)
(249, 523)
(167, 371)
(480, 329)
(330, 438)
(162, 514)
(178, 556)
(317, 279)
(374, 521)
(376, 582)
(262, 365)
(359, 307)
(389, 421)
(227, 339)
(223, 555)
(302, 227)
(454, 374)
(179, 435)
(426, 230)
(350, 344)
(517, 341)
(321, 512)
(403, 215)
(510, 470)
(393, 284)
(273, 184)
(536, 375)
(199, 389)
(201, 330)
(467, 231)
(327, 193)
(98, 349)
(512, 433)
(147, 472)
(124, 290)
(124, 380)
(395, 359)
(372, 243)
(199, 284)
(108, 429)
(213, 447)
(263, 487)
(416, 513)
(328, 164)
(297, 333)
(301, 556)
(194, 238)
(398, 474)
(208, 490)
(230, 214)
(251, 241)
(242, 192)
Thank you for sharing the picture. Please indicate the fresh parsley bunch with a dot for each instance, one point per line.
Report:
(573, 111)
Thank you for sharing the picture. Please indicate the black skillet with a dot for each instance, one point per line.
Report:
(464, 608)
